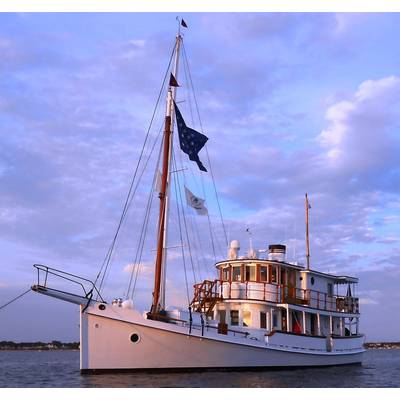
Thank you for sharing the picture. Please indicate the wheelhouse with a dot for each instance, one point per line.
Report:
(270, 295)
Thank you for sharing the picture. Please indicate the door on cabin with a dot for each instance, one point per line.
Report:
(284, 322)
(291, 283)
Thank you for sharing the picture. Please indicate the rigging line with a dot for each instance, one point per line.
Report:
(184, 219)
(195, 247)
(208, 216)
(188, 92)
(212, 238)
(208, 157)
(202, 257)
(217, 197)
(139, 254)
(209, 223)
(15, 299)
(139, 250)
(108, 256)
(141, 243)
(190, 216)
(150, 194)
(143, 233)
(181, 239)
(131, 199)
(147, 162)
(138, 257)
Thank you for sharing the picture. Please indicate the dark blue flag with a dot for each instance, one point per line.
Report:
(191, 141)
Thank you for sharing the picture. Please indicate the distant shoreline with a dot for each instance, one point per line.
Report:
(53, 345)
(56, 345)
(382, 345)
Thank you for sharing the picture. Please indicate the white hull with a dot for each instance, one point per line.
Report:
(106, 345)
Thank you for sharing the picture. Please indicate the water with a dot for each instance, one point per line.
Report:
(381, 368)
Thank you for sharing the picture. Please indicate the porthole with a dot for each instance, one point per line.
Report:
(135, 338)
(96, 325)
(312, 280)
(102, 307)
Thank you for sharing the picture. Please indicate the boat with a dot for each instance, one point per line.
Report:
(259, 311)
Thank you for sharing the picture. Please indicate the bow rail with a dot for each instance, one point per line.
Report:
(45, 273)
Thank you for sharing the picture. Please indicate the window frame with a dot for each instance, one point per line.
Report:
(247, 272)
(266, 267)
(248, 313)
(236, 319)
(263, 320)
(235, 268)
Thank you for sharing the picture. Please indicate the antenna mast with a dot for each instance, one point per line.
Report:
(307, 233)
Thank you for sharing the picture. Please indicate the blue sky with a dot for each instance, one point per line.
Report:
(291, 103)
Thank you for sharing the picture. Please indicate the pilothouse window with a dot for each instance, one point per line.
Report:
(274, 274)
(250, 272)
(236, 276)
(263, 274)
(225, 274)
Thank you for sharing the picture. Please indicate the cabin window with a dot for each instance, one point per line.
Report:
(222, 316)
(234, 317)
(312, 280)
(274, 319)
(264, 274)
(236, 274)
(330, 289)
(246, 318)
(263, 320)
(283, 280)
(225, 274)
(250, 272)
(274, 274)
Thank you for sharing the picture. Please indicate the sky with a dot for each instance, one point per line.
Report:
(291, 103)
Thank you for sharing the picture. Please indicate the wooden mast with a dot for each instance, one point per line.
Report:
(163, 195)
(307, 233)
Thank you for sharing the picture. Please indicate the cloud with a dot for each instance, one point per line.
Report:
(358, 137)
(146, 268)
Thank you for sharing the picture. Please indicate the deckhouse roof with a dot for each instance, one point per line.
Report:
(259, 261)
(339, 279)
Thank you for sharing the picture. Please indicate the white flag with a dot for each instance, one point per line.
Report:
(195, 202)
(157, 187)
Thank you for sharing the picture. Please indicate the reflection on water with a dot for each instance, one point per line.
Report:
(381, 368)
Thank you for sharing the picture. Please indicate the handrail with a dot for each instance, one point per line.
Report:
(206, 326)
(220, 289)
(230, 330)
(66, 276)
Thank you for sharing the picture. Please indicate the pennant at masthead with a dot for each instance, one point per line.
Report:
(172, 81)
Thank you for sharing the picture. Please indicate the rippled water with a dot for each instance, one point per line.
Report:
(381, 368)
